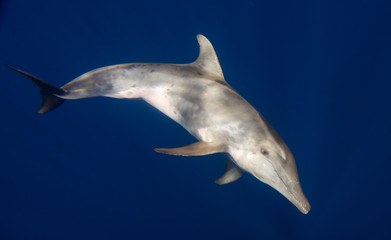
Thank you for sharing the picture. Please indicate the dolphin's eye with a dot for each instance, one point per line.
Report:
(264, 152)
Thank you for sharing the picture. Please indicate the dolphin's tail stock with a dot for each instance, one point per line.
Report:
(49, 93)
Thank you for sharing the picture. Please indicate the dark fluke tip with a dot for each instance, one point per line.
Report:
(40, 83)
(49, 93)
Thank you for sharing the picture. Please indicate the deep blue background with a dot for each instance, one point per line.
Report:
(319, 71)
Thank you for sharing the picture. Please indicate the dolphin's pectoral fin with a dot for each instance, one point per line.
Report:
(231, 173)
(194, 149)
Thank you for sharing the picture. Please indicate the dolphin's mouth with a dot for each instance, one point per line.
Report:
(302, 204)
(297, 197)
(303, 207)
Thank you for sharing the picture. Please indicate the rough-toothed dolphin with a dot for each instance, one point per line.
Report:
(197, 97)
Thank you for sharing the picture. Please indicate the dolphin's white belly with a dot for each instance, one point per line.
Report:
(203, 114)
(160, 99)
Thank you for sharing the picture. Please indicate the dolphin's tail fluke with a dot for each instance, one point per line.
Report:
(49, 93)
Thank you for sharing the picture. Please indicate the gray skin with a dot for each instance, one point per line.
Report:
(197, 97)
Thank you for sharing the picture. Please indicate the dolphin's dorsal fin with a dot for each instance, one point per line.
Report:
(231, 173)
(194, 149)
(207, 60)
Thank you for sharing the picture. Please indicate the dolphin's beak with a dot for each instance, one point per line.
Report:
(291, 190)
(297, 197)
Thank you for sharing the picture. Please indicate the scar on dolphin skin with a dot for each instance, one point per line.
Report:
(196, 96)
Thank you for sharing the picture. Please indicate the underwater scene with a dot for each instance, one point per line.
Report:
(90, 164)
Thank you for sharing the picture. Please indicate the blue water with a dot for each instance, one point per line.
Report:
(319, 71)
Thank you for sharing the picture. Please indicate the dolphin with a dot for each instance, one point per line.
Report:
(197, 96)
